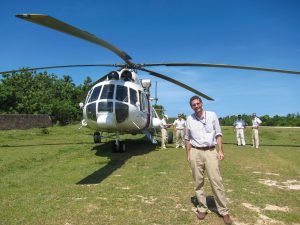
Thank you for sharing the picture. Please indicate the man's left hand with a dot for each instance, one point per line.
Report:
(220, 155)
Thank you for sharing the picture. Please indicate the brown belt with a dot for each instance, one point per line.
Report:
(204, 148)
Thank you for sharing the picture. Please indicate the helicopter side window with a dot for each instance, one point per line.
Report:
(122, 93)
(95, 94)
(108, 91)
(133, 96)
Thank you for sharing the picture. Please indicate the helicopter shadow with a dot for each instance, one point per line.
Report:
(117, 159)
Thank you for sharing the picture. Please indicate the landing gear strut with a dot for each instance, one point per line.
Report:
(119, 146)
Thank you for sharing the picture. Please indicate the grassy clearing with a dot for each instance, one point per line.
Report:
(63, 178)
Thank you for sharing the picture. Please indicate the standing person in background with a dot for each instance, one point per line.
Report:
(255, 126)
(203, 136)
(164, 125)
(240, 128)
(179, 127)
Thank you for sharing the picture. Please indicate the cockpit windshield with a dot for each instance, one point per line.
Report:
(95, 94)
(108, 91)
(122, 93)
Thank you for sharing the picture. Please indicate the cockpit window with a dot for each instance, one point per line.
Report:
(88, 96)
(108, 91)
(133, 96)
(95, 94)
(122, 94)
(105, 107)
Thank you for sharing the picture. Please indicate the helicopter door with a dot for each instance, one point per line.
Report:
(144, 103)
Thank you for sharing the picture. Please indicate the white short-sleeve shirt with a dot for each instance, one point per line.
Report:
(202, 132)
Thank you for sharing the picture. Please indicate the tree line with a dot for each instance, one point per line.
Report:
(42, 93)
(290, 120)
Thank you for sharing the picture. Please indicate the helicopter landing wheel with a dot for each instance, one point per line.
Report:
(119, 147)
(97, 137)
(170, 138)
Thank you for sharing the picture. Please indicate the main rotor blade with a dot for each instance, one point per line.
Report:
(224, 66)
(55, 24)
(66, 66)
(176, 82)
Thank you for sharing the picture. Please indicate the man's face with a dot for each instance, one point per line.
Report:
(196, 105)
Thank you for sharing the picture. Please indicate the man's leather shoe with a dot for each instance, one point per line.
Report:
(227, 219)
(201, 215)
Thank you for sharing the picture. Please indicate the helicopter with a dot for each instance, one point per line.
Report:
(120, 102)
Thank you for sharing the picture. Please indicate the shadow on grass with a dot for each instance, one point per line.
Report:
(47, 144)
(210, 201)
(133, 148)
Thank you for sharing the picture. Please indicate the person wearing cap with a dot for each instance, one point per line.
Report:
(240, 128)
(203, 136)
(179, 127)
(164, 125)
(255, 125)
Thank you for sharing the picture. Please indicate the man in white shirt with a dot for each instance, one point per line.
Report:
(255, 125)
(203, 135)
(179, 127)
(164, 126)
(240, 128)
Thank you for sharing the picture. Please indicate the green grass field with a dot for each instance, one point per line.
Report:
(62, 178)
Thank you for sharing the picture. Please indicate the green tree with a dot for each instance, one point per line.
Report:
(159, 110)
(40, 93)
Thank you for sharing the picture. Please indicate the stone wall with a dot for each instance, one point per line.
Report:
(24, 121)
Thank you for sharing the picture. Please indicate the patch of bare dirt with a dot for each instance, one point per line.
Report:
(263, 219)
(287, 185)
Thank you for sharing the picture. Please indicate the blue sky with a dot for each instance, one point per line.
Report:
(257, 33)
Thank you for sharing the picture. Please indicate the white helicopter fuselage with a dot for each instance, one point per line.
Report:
(120, 105)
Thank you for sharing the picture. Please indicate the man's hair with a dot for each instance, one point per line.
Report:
(193, 98)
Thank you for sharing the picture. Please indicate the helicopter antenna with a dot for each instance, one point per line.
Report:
(155, 99)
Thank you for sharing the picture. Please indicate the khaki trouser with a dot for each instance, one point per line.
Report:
(180, 137)
(163, 137)
(201, 160)
(255, 137)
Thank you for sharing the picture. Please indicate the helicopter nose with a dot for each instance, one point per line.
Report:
(105, 119)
